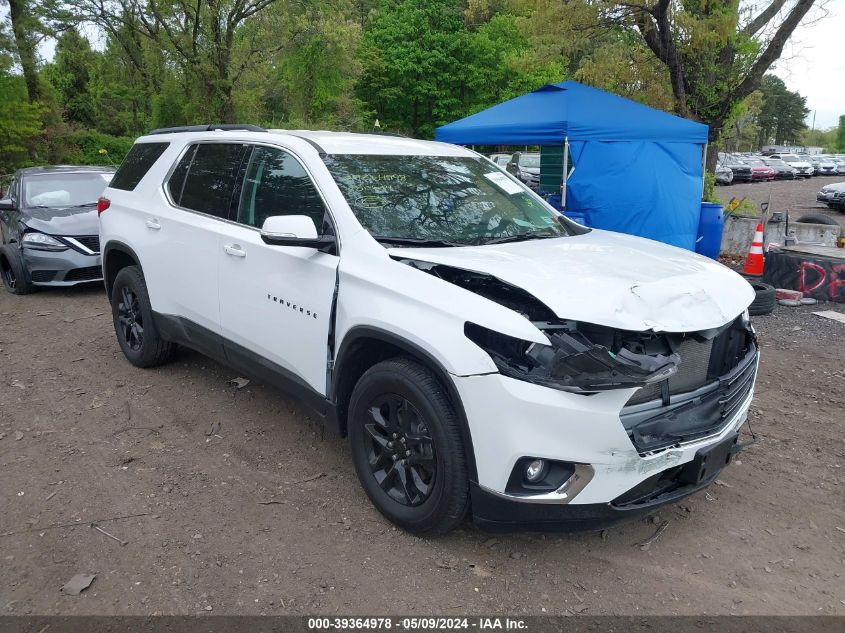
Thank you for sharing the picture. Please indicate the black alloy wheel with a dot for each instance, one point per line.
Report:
(134, 325)
(407, 447)
(400, 450)
(130, 318)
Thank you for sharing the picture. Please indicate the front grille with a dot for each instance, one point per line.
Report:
(711, 384)
(691, 374)
(91, 242)
(42, 276)
(84, 274)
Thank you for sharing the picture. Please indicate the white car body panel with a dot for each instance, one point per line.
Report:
(610, 279)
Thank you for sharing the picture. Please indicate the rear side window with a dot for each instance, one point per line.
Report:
(211, 169)
(137, 163)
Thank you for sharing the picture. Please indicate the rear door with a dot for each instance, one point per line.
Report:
(276, 301)
(182, 238)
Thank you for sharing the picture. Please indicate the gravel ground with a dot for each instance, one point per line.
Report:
(796, 196)
(234, 501)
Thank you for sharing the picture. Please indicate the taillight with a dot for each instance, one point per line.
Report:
(102, 205)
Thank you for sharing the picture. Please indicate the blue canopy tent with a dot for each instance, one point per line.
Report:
(637, 170)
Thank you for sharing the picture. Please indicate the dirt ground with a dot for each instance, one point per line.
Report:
(796, 196)
(87, 438)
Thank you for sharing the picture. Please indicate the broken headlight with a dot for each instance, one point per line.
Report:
(581, 358)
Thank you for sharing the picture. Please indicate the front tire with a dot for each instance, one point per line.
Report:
(132, 315)
(407, 447)
(13, 271)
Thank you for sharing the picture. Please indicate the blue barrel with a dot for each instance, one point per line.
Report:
(709, 239)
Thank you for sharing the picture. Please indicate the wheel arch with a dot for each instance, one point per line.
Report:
(116, 255)
(364, 346)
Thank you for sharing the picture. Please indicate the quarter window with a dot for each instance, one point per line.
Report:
(136, 164)
(210, 172)
(277, 184)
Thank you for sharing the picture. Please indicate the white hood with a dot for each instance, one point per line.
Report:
(609, 279)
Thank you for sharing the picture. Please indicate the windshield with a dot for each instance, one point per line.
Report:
(64, 189)
(775, 163)
(790, 158)
(454, 200)
(532, 161)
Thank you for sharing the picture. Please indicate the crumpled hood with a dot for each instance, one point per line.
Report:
(609, 279)
(63, 220)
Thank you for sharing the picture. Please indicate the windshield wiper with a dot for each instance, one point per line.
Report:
(78, 206)
(414, 241)
(521, 237)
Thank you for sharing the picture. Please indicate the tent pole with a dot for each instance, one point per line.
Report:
(704, 169)
(565, 173)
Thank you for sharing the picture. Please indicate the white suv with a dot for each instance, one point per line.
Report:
(484, 354)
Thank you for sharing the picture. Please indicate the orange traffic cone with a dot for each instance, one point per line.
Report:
(754, 261)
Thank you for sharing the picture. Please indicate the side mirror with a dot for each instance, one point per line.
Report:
(295, 230)
(6, 204)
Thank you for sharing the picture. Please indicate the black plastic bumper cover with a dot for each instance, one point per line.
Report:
(493, 513)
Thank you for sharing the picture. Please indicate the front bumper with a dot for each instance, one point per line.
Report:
(62, 268)
(510, 419)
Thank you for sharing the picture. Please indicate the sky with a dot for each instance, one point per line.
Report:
(813, 62)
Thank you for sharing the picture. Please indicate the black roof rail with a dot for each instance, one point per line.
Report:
(243, 127)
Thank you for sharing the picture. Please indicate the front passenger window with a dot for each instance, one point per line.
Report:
(277, 184)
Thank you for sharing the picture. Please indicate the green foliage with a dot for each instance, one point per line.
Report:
(708, 194)
(20, 124)
(413, 57)
(820, 138)
(66, 145)
(70, 74)
(781, 117)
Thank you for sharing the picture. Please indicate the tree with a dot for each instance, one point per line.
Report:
(199, 36)
(714, 52)
(26, 28)
(781, 117)
(70, 74)
(413, 65)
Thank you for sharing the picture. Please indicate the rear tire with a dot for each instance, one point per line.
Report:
(13, 271)
(132, 315)
(407, 447)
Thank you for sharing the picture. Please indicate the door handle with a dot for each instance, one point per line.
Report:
(234, 250)
(152, 223)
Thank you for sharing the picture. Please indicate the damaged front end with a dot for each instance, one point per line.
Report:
(582, 357)
(690, 384)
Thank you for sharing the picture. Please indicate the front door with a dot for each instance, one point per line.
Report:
(276, 301)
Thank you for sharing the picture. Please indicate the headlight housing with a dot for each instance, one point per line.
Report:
(42, 242)
(574, 362)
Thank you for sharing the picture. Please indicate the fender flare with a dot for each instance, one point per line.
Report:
(427, 359)
(115, 245)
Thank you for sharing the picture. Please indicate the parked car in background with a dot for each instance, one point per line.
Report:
(741, 171)
(724, 175)
(833, 195)
(802, 167)
(840, 166)
(526, 167)
(760, 172)
(483, 354)
(49, 229)
(824, 166)
(501, 160)
(783, 170)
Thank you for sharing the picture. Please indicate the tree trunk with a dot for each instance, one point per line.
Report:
(712, 145)
(26, 45)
